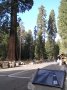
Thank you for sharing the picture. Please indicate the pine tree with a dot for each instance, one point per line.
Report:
(40, 48)
(41, 26)
(62, 24)
(52, 30)
(28, 46)
(3, 44)
(41, 21)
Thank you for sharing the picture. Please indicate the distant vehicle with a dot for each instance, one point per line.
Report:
(64, 59)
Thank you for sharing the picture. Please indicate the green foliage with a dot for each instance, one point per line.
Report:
(41, 30)
(63, 48)
(5, 10)
(27, 47)
(41, 19)
(50, 49)
(56, 50)
(3, 44)
(52, 30)
(8, 13)
(39, 48)
(62, 23)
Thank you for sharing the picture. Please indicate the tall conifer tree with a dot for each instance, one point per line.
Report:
(12, 7)
(41, 21)
(52, 30)
(41, 26)
(62, 24)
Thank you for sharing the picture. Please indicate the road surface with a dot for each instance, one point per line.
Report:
(17, 78)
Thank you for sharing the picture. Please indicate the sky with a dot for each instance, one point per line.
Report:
(29, 18)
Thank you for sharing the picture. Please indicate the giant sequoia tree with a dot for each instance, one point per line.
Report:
(41, 20)
(52, 30)
(41, 26)
(10, 8)
(62, 24)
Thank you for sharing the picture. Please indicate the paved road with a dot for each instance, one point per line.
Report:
(18, 78)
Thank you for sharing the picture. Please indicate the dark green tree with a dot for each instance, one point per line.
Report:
(12, 7)
(41, 31)
(27, 46)
(52, 30)
(57, 49)
(50, 49)
(39, 48)
(62, 24)
(41, 21)
(3, 44)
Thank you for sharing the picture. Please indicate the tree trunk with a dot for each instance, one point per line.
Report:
(11, 55)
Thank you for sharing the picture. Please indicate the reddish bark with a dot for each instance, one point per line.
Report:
(11, 55)
(11, 49)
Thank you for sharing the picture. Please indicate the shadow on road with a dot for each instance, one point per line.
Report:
(18, 81)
